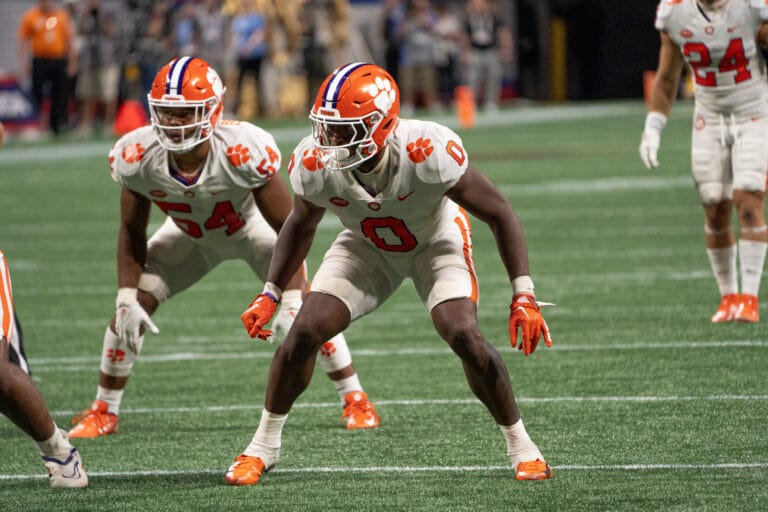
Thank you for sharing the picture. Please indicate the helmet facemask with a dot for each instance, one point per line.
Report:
(181, 125)
(345, 143)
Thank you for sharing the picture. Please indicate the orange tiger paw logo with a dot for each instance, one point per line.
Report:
(311, 160)
(132, 153)
(328, 349)
(238, 155)
(419, 150)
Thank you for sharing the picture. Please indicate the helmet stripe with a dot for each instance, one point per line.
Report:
(176, 75)
(331, 94)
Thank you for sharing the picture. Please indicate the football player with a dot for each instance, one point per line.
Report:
(217, 182)
(403, 190)
(718, 41)
(22, 403)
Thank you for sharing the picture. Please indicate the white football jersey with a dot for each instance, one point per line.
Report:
(721, 52)
(219, 204)
(426, 159)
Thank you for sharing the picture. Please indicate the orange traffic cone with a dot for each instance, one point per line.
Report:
(130, 115)
(465, 106)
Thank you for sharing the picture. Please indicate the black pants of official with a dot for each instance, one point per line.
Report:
(54, 73)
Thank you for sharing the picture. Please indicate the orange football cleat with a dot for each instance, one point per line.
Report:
(246, 470)
(533, 470)
(726, 311)
(748, 309)
(94, 422)
(358, 411)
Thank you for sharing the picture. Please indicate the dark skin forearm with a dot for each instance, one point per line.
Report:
(475, 193)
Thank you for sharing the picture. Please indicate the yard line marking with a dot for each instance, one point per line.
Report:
(410, 469)
(434, 401)
(55, 363)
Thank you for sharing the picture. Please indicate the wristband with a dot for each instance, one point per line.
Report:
(291, 297)
(127, 296)
(272, 291)
(522, 284)
(655, 121)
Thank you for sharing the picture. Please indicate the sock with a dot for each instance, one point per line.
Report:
(347, 385)
(267, 439)
(112, 397)
(520, 448)
(56, 445)
(723, 263)
(751, 259)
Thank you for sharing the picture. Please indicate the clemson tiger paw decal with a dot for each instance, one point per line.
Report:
(312, 159)
(382, 93)
(132, 153)
(328, 349)
(419, 150)
(238, 155)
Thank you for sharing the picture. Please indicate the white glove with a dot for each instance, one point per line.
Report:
(649, 145)
(290, 303)
(129, 317)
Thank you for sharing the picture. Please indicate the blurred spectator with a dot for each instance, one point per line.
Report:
(186, 30)
(325, 45)
(46, 53)
(214, 34)
(151, 45)
(417, 60)
(100, 60)
(394, 15)
(251, 34)
(489, 43)
(448, 38)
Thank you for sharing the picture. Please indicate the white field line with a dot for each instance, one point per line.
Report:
(76, 364)
(415, 469)
(438, 401)
(292, 135)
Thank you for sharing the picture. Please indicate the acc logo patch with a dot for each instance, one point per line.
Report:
(157, 193)
(338, 201)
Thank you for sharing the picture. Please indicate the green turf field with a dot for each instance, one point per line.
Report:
(641, 404)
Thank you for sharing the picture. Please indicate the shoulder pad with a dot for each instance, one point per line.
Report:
(664, 10)
(761, 6)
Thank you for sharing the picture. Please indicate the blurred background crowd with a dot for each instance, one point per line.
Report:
(78, 60)
(72, 65)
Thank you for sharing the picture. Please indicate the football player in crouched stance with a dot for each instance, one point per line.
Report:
(218, 184)
(22, 403)
(718, 40)
(402, 190)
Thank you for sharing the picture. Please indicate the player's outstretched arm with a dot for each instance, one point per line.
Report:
(475, 192)
(130, 316)
(293, 244)
(663, 93)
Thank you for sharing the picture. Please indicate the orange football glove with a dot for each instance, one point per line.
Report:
(258, 315)
(525, 312)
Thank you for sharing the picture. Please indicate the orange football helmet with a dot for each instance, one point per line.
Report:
(185, 103)
(355, 114)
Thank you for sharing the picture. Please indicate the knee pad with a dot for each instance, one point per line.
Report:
(116, 359)
(711, 193)
(154, 284)
(334, 354)
(752, 181)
